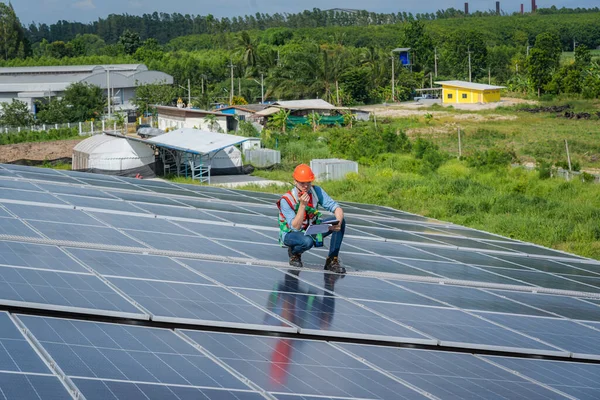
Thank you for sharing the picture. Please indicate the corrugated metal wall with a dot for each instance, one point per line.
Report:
(329, 169)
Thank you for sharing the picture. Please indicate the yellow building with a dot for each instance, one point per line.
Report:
(468, 92)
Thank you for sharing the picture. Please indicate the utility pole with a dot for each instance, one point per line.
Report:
(108, 89)
(231, 66)
(262, 88)
(528, 47)
(574, 44)
(435, 60)
(239, 86)
(393, 79)
(469, 51)
(277, 58)
(189, 94)
(459, 145)
(202, 85)
(489, 76)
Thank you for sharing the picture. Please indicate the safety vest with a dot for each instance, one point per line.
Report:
(311, 216)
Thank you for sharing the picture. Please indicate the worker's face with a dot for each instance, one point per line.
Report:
(303, 186)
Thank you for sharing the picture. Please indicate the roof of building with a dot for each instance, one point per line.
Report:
(183, 112)
(111, 147)
(29, 81)
(196, 141)
(252, 108)
(469, 85)
(315, 104)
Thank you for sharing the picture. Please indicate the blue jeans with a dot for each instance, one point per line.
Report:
(299, 242)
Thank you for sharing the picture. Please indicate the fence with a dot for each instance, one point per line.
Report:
(332, 168)
(560, 173)
(85, 128)
(262, 158)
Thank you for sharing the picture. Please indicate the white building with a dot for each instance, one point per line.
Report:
(30, 83)
(177, 118)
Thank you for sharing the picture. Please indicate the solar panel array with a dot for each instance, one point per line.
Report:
(120, 288)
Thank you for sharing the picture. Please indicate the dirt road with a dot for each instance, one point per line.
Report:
(37, 151)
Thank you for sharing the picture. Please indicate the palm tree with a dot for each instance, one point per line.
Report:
(213, 124)
(280, 119)
(248, 49)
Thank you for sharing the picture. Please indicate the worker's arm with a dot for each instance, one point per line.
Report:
(339, 215)
(300, 215)
(332, 206)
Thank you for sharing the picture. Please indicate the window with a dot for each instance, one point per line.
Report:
(449, 95)
(464, 95)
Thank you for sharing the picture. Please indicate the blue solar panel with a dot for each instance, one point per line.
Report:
(568, 307)
(74, 190)
(543, 279)
(121, 352)
(246, 219)
(451, 375)
(62, 291)
(5, 183)
(546, 265)
(395, 234)
(25, 195)
(194, 244)
(461, 271)
(357, 287)
(372, 262)
(102, 204)
(179, 212)
(109, 263)
(147, 224)
(16, 354)
(12, 226)
(561, 333)
(52, 214)
(204, 304)
(111, 184)
(471, 257)
(144, 198)
(84, 233)
(4, 213)
(27, 168)
(37, 256)
(31, 387)
(281, 366)
(328, 315)
(230, 232)
(238, 275)
(575, 379)
(456, 327)
(94, 389)
(214, 206)
(470, 298)
(390, 249)
(271, 251)
(44, 177)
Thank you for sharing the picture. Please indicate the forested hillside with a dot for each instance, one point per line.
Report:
(339, 56)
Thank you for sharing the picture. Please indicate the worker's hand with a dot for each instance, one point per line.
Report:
(304, 199)
(335, 228)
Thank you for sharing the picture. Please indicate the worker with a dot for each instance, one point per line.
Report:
(298, 209)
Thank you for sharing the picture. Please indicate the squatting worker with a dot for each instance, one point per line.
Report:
(298, 209)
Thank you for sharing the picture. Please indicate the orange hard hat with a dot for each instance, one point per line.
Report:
(303, 173)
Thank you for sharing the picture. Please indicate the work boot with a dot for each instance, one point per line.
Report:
(295, 259)
(333, 264)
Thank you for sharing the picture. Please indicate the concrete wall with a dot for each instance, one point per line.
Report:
(173, 122)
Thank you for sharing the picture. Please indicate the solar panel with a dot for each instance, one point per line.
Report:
(561, 333)
(79, 233)
(461, 271)
(104, 351)
(102, 204)
(568, 307)
(16, 355)
(37, 256)
(543, 279)
(320, 313)
(66, 215)
(451, 375)
(25, 195)
(308, 368)
(11, 226)
(575, 379)
(94, 389)
(74, 190)
(10, 184)
(229, 232)
(411, 287)
(456, 328)
(195, 303)
(27, 168)
(470, 298)
(52, 290)
(130, 265)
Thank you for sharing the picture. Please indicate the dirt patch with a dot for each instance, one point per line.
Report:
(37, 151)
(409, 109)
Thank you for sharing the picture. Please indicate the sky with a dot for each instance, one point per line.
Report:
(51, 11)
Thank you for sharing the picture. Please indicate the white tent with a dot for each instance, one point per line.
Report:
(115, 156)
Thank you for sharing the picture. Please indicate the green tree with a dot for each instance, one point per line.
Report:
(84, 101)
(150, 51)
(421, 45)
(13, 43)
(213, 124)
(53, 112)
(279, 120)
(130, 41)
(148, 95)
(248, 49)
(16, 114)
(583, 57)
(543, 59)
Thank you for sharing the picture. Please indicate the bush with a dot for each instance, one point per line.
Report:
(38, 136)
(587, 177)
(494, 157)
(544, 169)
